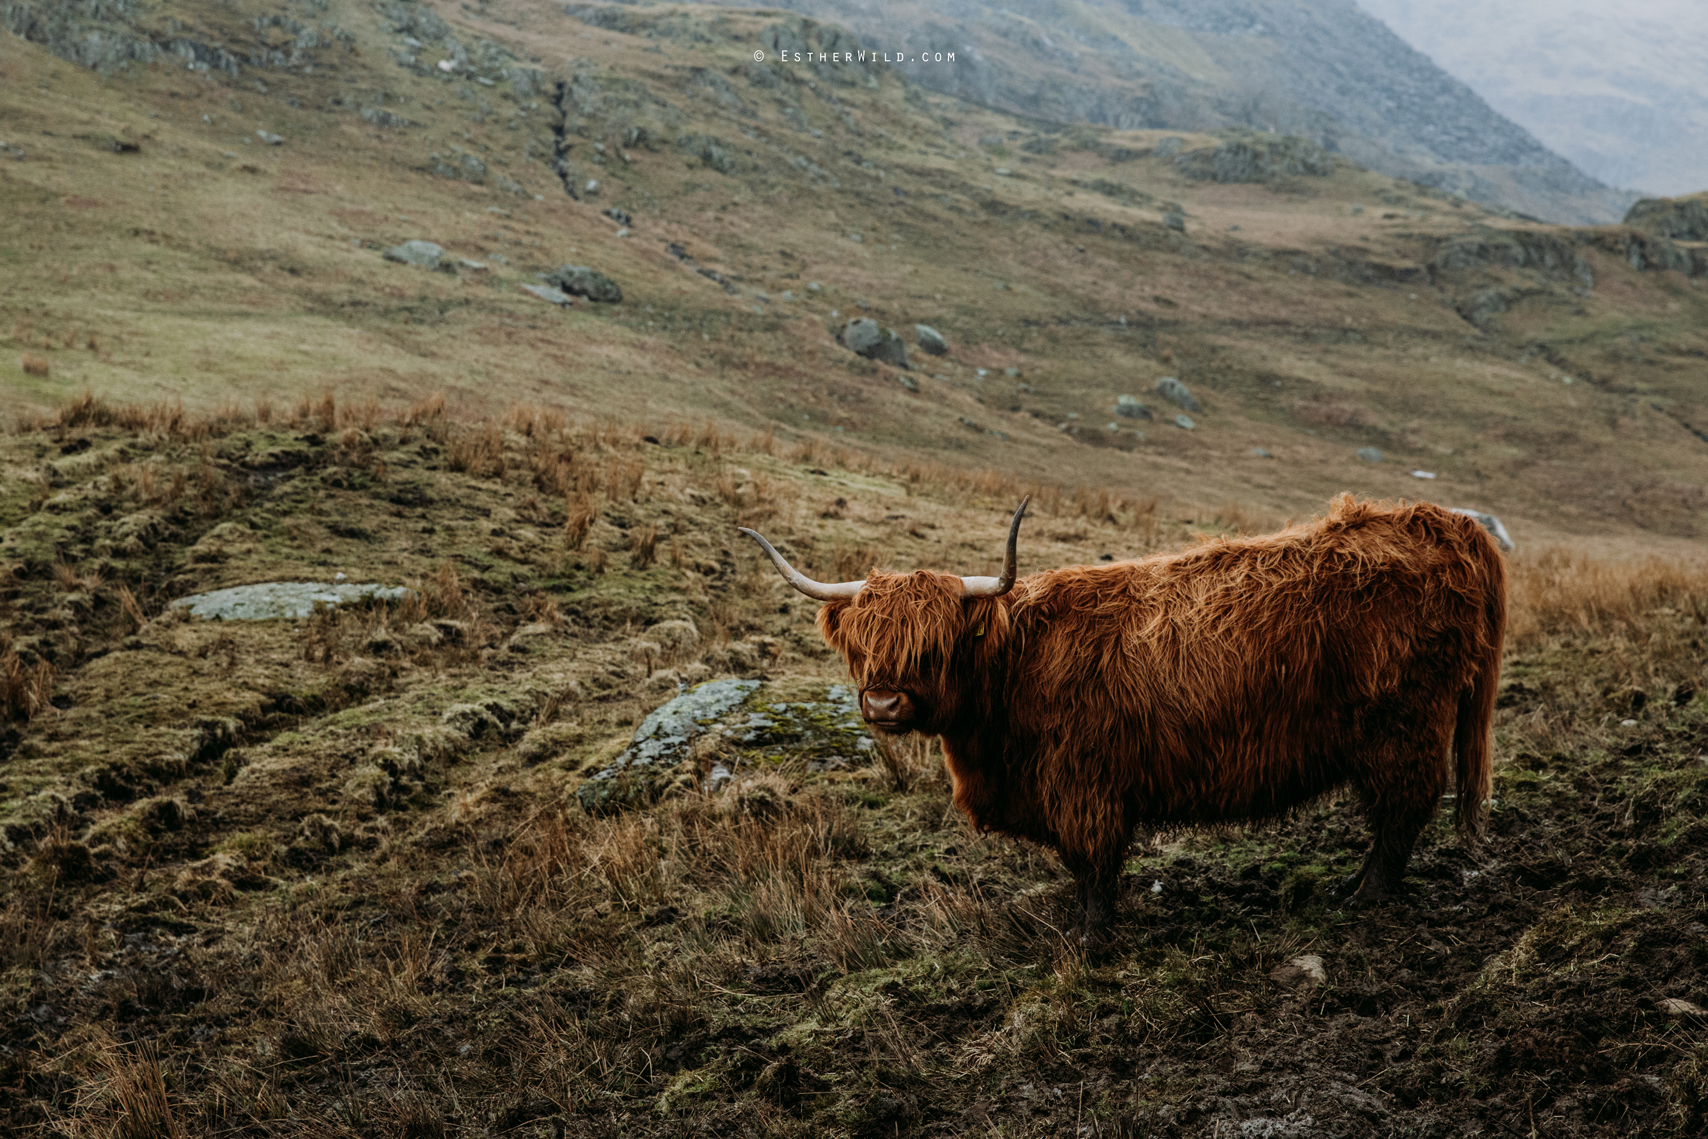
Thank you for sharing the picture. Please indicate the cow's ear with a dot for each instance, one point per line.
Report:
(987, 626)
(830, 624)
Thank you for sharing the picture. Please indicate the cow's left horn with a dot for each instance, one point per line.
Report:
(997, 586)
(817, 590)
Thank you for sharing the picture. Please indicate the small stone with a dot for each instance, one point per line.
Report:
(1174, 221)
(1184, 422)
(856, 238)
(1300, 972)
(1423, 474)
(1129, 407)
(270, 138)
(930, 340)
(1371, 454)
(1682, 1009)
(592, 187)
(1177, 393)
(473, 266)
(1261, 453)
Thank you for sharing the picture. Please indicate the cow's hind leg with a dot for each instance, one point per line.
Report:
(1401, 791)
(1098, 890)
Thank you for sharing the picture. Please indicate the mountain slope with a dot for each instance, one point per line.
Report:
(1321, 69)
(154, 245)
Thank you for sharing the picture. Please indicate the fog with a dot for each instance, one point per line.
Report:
(1619, 88)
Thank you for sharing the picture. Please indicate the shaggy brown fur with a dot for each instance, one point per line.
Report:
(1235, 680)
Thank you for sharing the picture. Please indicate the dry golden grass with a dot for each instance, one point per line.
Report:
(26, 689)
(36, 365)
(1559, 592)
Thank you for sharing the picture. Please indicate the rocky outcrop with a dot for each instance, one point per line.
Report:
(747, 723)
(1681, 219)
(1257, 158)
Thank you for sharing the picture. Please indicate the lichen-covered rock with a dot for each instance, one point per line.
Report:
(274, 599)
(821, 727)
(660, 744)
(863, 337)
(580, 281)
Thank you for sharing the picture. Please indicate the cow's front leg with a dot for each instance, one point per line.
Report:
(1098, 893)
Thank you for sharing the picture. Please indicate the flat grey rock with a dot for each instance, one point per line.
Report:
(825, 731)
(547, 293)
(275, 599)
(422, 254)
(930, 340)
(1371, 454)
(270, 138)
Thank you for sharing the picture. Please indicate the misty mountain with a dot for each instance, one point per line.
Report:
(1322, 69)
(1620, 90)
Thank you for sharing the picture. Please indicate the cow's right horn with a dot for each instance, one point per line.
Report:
(997, 586)
(817, 590)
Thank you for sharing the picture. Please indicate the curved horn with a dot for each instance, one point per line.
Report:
(997, 586)
(817, 590)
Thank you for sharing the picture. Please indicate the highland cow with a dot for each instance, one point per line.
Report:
(1236, 680)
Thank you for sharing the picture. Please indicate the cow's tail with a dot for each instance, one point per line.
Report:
(1473, 736)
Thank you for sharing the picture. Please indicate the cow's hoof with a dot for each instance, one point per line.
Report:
(1094, 936)
(1365, 898)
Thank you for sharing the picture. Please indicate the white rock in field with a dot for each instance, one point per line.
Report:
(1300, 971)
(1490, 523)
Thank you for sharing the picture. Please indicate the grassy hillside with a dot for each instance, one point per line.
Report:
(358, 872)
(1311, 314)
(331, 876)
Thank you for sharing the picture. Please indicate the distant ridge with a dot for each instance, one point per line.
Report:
(1325, 71)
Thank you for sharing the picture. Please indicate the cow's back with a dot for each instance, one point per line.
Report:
(1247, 675)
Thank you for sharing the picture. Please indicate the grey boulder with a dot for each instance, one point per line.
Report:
(863, 337)
(422, 254)
(930, 340)
(580, 281)
(1175, 392)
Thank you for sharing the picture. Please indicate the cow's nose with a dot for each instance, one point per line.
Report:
(885, 707)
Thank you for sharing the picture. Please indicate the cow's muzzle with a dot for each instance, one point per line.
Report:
(887, 711)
